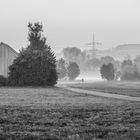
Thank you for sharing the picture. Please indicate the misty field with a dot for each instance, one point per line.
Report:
(58, 114)
(113, 87)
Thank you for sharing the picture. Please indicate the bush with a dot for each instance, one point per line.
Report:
(3, 81)
(107, 71)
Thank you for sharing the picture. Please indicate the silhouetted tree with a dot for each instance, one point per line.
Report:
(73, 70)
(61, 68)
(36, 64)
(107, 71)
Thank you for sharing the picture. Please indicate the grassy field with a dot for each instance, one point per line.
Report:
(58, 114)
(124, 88)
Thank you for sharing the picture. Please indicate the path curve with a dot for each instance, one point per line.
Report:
(102, 94)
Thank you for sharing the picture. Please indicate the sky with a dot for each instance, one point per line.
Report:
(69, 23)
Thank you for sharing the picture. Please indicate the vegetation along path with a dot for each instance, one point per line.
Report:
(102, 94)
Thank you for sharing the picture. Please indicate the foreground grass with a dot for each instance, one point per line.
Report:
(124, 88)
(57, 114)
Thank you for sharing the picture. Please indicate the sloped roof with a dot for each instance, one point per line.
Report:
(6, 45)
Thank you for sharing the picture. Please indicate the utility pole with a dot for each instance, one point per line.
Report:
(93, 43)
(93, 47)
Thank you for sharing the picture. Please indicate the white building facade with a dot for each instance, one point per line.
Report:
(7, 56)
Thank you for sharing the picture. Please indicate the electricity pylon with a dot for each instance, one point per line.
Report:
(93, 44)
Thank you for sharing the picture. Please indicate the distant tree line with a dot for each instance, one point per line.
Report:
(129, 70)
(110, 68)
(85, 61)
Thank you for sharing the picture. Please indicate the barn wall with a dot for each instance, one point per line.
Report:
(7, 55)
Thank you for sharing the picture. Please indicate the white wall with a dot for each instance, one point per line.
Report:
(7, 55)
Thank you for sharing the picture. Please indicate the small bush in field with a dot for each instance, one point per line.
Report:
(3, 81)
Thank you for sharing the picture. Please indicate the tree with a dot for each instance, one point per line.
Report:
(107, 60)
(129, 70)
(73, 70)
(126, 62)
(137, 62)
(36, 64)
(72, 54)
(61, 68)
(107, 71)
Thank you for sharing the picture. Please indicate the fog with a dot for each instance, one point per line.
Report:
(90, 76)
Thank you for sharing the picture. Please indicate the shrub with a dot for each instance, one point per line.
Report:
(3, 80)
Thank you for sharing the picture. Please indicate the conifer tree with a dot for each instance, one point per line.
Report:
(36, 64)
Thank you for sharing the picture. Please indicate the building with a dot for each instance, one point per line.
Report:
(7, 55)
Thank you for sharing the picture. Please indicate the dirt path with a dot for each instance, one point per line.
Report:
(102, 94)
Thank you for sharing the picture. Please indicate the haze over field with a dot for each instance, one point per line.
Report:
(90, 76)
(71, 22)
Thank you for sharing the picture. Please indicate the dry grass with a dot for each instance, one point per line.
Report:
(57, 114)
